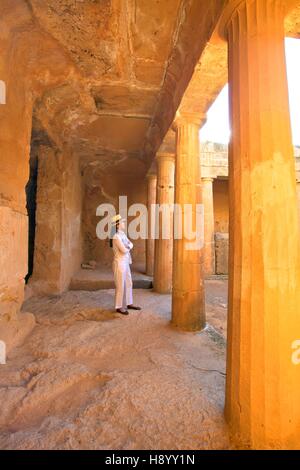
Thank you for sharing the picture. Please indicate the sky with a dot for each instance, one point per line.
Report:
(217, 129)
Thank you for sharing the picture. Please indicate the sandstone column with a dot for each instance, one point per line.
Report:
(209, 226)
(164, 243)
(15, 133)
(262, 393)
(188, 311)
(57, 254)
(150, 242)
(298, 197)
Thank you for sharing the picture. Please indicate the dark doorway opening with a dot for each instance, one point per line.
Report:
(31, 191)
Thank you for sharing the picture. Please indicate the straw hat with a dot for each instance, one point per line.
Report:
(116, 219)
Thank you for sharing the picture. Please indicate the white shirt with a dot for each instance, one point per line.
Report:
(122, 247)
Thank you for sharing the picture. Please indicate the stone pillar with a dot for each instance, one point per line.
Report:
(164, 223)
(298, 198)
(57, 253)
(262, 390)
(150, 242)
(188, 306)
(209, 226)
(15, 133)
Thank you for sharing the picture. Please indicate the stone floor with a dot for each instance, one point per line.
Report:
(88, 378)
(102, 278)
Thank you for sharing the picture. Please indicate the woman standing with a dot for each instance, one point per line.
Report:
(121, 266)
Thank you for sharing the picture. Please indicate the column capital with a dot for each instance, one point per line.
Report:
(207, 179)
(151, 175)
(184, 117)
(233, 6)
(228, 12)
(165, 156)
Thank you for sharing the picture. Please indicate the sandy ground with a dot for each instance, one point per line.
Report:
(88, 378)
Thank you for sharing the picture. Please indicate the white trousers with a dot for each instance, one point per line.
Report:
(123, 283)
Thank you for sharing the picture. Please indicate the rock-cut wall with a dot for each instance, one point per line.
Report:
(58, 244)
(103, 187)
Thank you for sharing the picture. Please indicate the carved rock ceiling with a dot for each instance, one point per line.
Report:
(120, 51)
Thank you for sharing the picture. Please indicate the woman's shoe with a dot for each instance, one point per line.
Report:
(133, 307)
(122, 311)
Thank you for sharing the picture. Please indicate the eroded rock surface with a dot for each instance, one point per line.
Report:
(88, 378)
